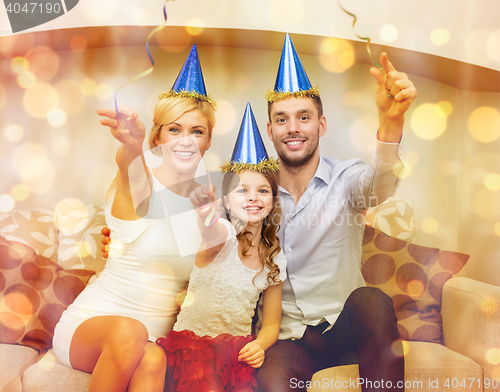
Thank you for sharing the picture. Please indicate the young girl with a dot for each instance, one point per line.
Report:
(211, 347)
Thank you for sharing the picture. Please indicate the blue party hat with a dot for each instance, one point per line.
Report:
(249, 152)
(292, 80)
(189, 82)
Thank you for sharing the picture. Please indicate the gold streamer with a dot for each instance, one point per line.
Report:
(266, 165)
(272, 95)
(367, 39)
(189, 94)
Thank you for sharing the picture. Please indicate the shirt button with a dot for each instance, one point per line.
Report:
(301, 302)
(290, 220)
(305, 320)
(292, 276)
(289, 250)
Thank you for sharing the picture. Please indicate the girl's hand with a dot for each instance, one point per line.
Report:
(201, 198)
(253, 354)
(127, 129)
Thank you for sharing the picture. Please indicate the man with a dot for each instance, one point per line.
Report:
(328, 317)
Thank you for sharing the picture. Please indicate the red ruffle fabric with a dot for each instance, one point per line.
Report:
(205, 364)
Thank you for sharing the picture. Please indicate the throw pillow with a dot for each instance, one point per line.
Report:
(394, 217)
(34, 291)
(80, 235)
(413, 276)
(35, 228)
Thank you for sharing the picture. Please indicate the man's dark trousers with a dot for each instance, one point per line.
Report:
(365, 333)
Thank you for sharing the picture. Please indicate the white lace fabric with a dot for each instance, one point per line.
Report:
(222, 296)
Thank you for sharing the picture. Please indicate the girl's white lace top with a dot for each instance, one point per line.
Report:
(221, 297)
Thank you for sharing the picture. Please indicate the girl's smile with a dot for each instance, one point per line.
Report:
(252, 200)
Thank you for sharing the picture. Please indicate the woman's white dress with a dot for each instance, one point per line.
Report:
(144, 278)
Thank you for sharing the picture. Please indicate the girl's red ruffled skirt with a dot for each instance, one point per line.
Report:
(205, 364)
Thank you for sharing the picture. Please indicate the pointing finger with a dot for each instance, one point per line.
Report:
(386, 64)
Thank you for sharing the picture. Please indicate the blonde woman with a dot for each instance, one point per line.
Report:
(110, 328)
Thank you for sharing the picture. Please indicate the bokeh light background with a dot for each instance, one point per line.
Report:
(53, 80)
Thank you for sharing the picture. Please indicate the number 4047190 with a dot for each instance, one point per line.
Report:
(34, 8)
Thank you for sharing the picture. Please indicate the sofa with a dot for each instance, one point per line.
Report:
(450, 325)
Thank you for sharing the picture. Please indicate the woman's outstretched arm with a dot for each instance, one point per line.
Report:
(133, 177)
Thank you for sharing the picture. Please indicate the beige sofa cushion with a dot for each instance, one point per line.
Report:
(14, 360)
(427, 367)
(48, 375)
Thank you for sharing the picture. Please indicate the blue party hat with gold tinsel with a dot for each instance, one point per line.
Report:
(292, 80)
(249, 152)
(189, 82)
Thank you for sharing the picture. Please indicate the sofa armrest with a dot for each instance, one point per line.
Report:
(471, 322)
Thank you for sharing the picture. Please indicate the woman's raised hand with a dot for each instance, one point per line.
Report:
(127, 128)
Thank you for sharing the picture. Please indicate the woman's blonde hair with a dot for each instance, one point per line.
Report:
(271, 225)
(170, 109)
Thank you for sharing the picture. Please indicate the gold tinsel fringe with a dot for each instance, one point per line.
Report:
(272, 95)
(264, 166)
(189, 94)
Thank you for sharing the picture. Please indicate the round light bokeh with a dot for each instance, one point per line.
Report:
(20, 192)
(389, 33)
(88, 87)
(492, 181)
(496, 229)
(194, 26)
(336, 55)
(39, 100)
(211, 161)
(484, 124)
(56, 117)
(428, 121)
(430, 225)
(444, 108)
(7, 203)
(103, 91)
(30, 161)
(14, 132)
(440, 36)
(26, 79)
(493, 356)
(19, 64)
